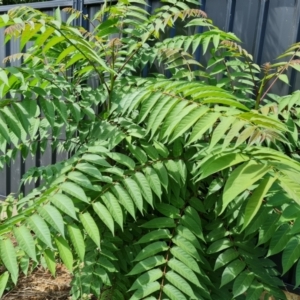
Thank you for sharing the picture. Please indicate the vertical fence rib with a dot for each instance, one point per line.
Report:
(294, 72)
(230, 13)
(8, 166)
(261, 30)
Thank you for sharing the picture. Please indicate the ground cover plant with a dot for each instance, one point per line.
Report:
(180, 184)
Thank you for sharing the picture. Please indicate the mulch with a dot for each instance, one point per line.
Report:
(41, 285)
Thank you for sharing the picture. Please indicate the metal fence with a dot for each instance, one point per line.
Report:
(266, 27)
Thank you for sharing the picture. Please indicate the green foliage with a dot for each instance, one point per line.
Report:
(178, 188)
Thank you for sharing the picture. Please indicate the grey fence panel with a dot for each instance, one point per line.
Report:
(93, 81)
(16, 166)
(10, 176)
(245, 23)
(217, 11)
(281, 32)
(3, 175)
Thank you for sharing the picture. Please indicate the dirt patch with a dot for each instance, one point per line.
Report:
(40, 285)
(289, 296)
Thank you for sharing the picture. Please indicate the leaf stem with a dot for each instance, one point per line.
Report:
(275, 80)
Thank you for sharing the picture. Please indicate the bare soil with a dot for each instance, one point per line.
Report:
(40, 285)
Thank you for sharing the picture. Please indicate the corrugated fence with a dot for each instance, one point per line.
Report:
(266, 27)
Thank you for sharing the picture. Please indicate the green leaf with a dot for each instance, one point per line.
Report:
(151, 250)
(173, 171)
(255, 290)
(24, 264)
(77, 240)
(203, 125)
(105, 263)
(162, 115)
(113, 207)
(158, 234)
(153, 180)
(124, 198)
(279, 239)
(180, 283)
(255, 201)
(82, 180)
(218, 163)
(232, 271)
(291, 253)
(122, 159)
(219, 246)
(184, 271)
(268, 228)
(187, 246)
(138, 153)
(145, 290)
(4, 131)
(147, 264)
(188, 121)
(284, 78)
(135, 193)
(58, 14)
(242, 283)
(96, 159)
(91, 227)
(53, 41)
(53, 217)
(3, 77)
(48, 110)
(162, 174)
(74, 190)
(188, 222)
(225, 258)
(147, 277)
(159, 223)
(148, 105)
(241, 179)
(173, 293)
(50, 261)
(22, 115)
(9, 259)
(65, 204)
(40, 228)
(25, 241)
(154, 119)
(64, 252)
(13, 122)
(225, 101)
(168, 210)
(161, 149)
(65, 52)
(244, 135)
(175, 116)
(3, 282)
(188, 235)
(185, 258)
(104, 216)
(220, 130)
(297, 274)
(144, 186)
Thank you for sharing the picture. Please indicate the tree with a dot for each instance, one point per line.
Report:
(175, 188)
